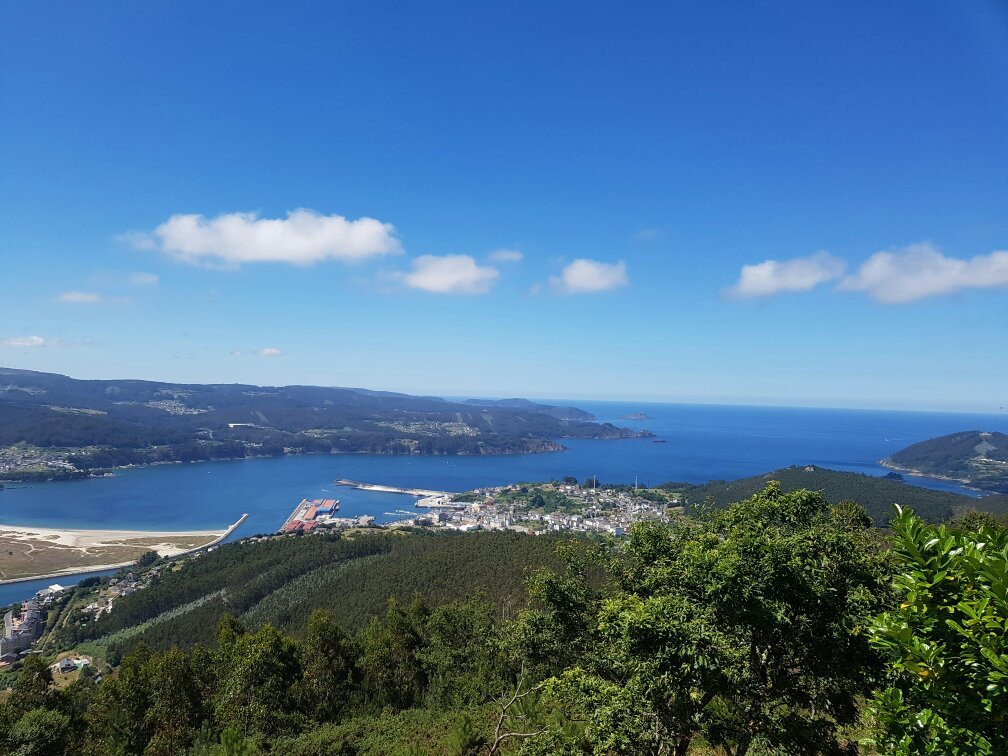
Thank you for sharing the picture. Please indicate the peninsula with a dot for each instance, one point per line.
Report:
(53, 427)
(976, 458)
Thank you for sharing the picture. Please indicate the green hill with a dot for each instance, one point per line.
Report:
(977, 458)
(877, 495)
(422, 632)
(280, 580)
(67, 427)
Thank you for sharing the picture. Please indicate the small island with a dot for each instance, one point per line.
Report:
(975, 458)
(635, 416)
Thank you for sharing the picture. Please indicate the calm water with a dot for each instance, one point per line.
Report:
(702, 442)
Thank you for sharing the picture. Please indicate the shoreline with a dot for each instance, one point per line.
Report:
(967, 484)
(75, 537)
(93, 474)
(551, 446)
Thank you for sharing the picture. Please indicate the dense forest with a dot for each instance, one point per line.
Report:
(280, 580)
(779, 624)
(109, 423)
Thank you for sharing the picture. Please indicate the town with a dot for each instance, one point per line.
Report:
(24, 461)
(532, 508)
(537, 508)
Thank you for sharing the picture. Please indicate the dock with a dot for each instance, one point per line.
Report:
(310, 513)
(423, 492)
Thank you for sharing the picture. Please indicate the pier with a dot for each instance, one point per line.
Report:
(219, 539)
(424, 492)
(227, 533)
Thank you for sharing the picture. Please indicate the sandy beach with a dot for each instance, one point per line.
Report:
(165, 542)
(28, 551)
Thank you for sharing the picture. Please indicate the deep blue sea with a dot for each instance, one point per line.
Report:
(702, 442)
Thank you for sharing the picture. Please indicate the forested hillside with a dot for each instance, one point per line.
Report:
(779, 624)
(877, 495)
(97, 424)
(280, 580)
(979, 458)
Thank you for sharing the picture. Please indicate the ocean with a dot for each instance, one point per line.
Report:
(697, 443)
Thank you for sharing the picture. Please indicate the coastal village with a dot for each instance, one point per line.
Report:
(523, 507)
(530, 508)
(21, 459)
(545, 508)
(26, 623)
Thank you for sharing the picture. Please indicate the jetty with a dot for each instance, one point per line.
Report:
(423, 492)
(223, 537)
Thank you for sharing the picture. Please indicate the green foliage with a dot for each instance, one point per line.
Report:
(876, 495)
(147, 559)
(40, 732)
(230, 743)
(541, 497)
(745, 628)
(389, 658)
(331, 673)
(258, 674)
(31, 690)
(393, 733)
(292, 583)
(947, 643)
(245, 572)
(742, 630)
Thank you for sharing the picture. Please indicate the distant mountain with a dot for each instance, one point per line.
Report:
(560, 413)
(68, 426)
(977, 458)
(876, 494)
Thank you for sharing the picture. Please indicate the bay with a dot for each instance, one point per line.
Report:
(698, 443)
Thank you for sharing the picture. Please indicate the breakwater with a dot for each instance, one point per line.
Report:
(391, 489)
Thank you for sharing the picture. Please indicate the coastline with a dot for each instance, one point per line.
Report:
(541, 446)
(84, 539)
(968, 484)
(551, 447)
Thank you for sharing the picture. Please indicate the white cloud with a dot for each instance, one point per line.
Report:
(777, 276)
(23, 341)
(80, 297)
(450, 274)
(269, 352)
(589, 276)
(304, 237)
(921, 270)
(505, 255)
(144, 279)
(235, 353)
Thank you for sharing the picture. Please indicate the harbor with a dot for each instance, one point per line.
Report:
(309, 514)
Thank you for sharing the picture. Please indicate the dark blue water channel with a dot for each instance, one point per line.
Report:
(700, 443)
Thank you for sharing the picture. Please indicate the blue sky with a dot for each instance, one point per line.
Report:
(742, 203)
